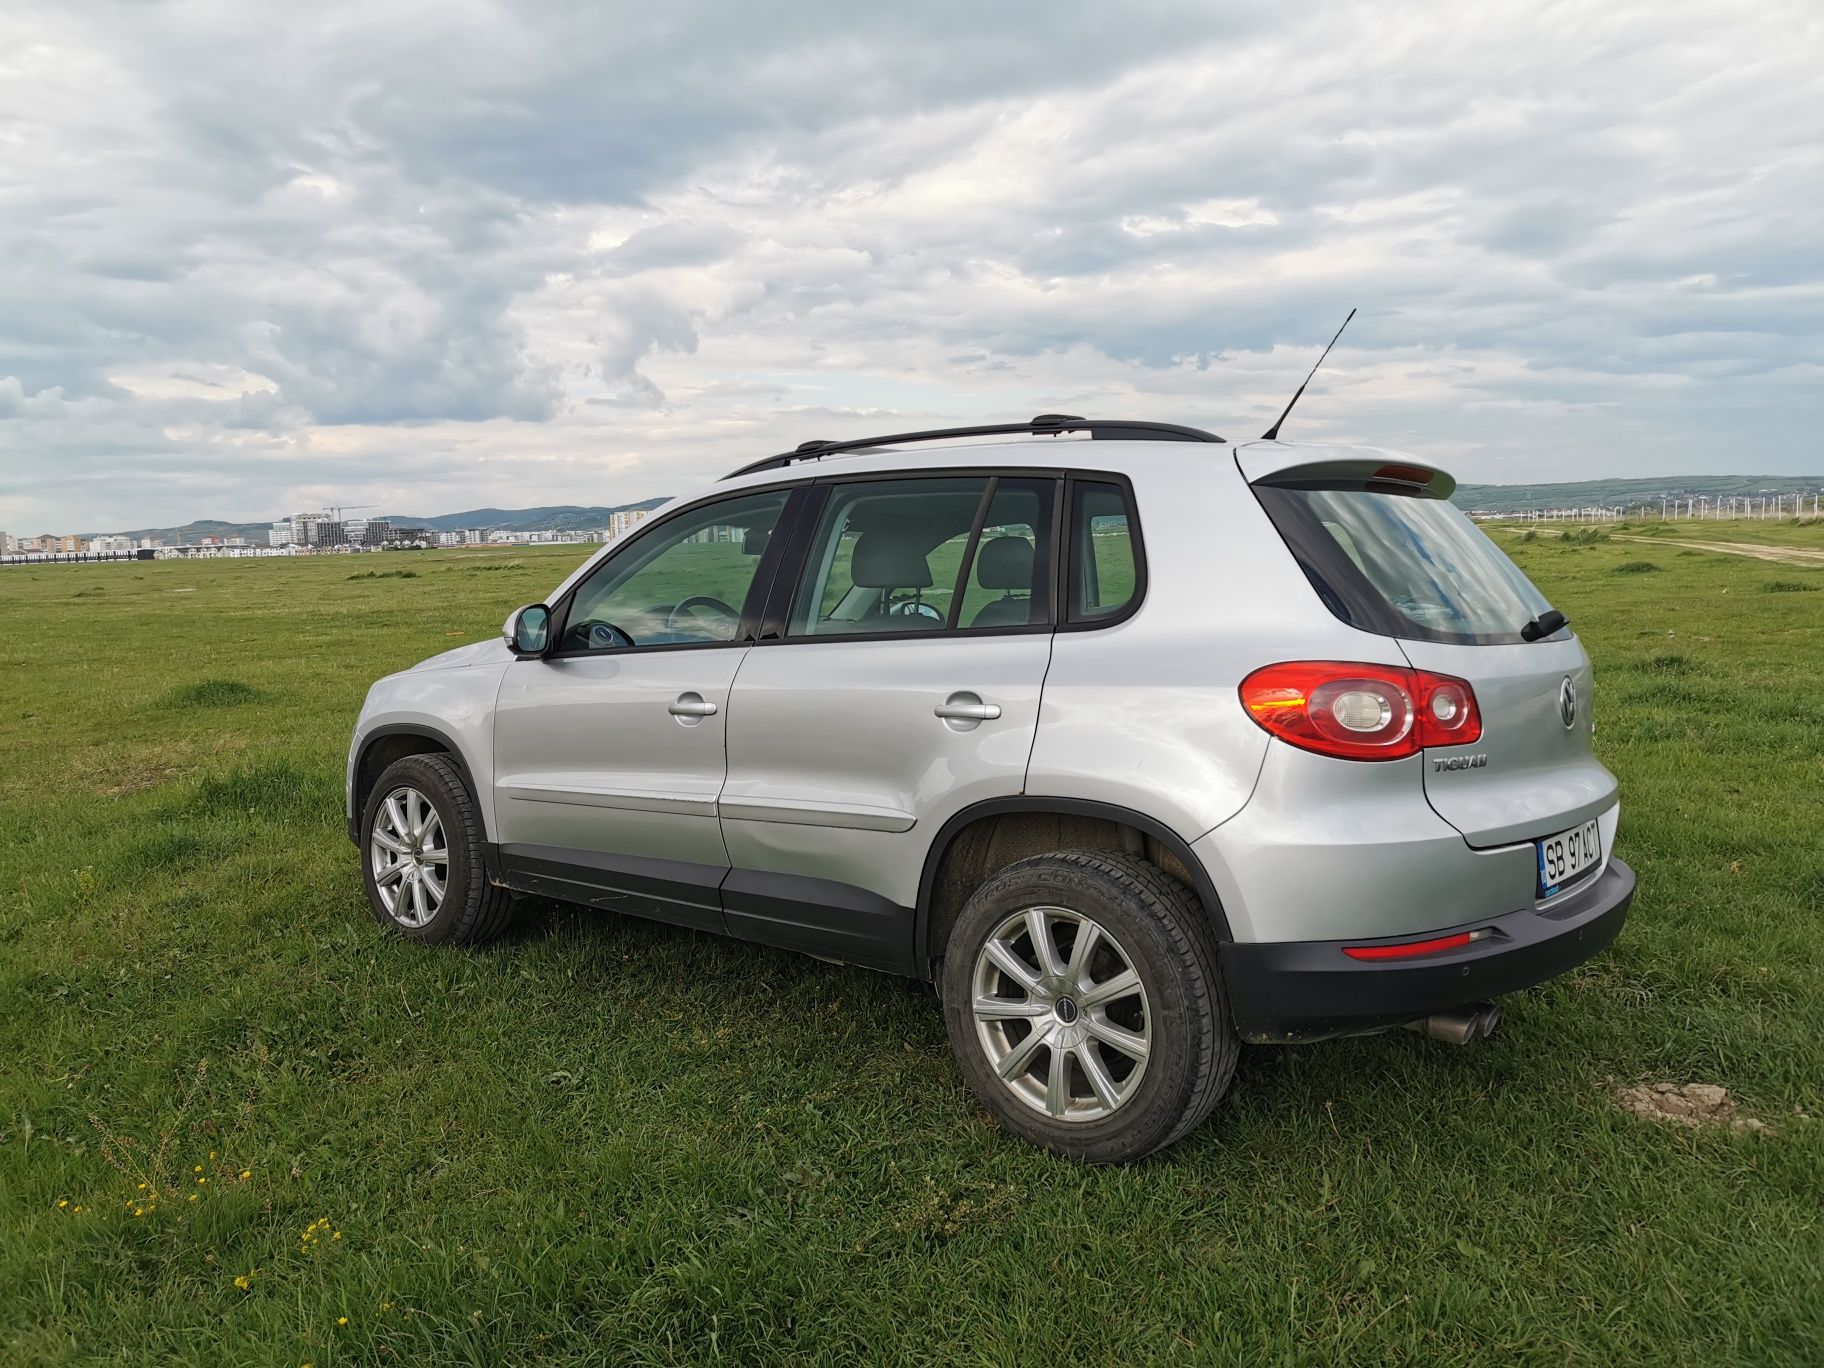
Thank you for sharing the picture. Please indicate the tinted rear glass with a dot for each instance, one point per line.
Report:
(1402, 565)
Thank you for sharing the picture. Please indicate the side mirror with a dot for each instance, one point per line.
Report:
(527, 630)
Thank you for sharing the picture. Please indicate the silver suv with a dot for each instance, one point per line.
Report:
(1136, 744)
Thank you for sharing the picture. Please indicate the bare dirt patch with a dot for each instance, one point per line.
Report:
(1785, 555)
(1687, 1104)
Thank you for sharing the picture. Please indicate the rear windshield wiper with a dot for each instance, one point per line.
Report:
(1544, 625)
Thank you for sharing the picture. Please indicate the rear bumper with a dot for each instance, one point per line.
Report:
(1311, 990)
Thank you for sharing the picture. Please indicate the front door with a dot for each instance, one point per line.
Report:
(904, 688)
(609, 751)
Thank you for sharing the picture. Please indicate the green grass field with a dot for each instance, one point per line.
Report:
(606, 1139)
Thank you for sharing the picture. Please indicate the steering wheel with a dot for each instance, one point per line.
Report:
(733, 615)
(915, 609)
(604, 636)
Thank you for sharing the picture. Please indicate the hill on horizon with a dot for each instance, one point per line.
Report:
(1610, 493)
(553, 517)
(1480, 498)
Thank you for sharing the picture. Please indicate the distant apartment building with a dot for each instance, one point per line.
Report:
(464, 536)
(622, 522)
(111, 545)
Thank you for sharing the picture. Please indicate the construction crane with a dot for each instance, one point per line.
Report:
(337, 508)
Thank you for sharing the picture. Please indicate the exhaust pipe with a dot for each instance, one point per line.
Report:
(1459, 1025)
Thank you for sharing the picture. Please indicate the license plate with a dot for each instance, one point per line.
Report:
(1567, 857)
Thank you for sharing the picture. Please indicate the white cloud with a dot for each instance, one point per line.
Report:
(440, 257)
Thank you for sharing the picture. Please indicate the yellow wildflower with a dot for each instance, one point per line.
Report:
(246, 1174)
(341, 1320)
(242, 1281)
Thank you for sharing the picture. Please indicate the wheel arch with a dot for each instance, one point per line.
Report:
(393, 741)
(935, 912)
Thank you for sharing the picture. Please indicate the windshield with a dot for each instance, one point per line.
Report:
(1403, 565)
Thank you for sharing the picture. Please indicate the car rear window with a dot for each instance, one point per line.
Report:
(1402, 564)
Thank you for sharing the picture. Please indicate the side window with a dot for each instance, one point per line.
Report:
(1009, 582)
(886, 557)
(1103, 566)
(683, 583)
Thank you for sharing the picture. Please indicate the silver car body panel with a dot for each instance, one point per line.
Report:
(1145, 715)
(839, 768)
(449, 696)
(824, 760)
(1540, 776)
(590, 758)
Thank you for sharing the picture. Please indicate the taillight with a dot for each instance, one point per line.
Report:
(1361, 712)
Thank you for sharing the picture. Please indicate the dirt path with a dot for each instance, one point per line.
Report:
(1786, 555)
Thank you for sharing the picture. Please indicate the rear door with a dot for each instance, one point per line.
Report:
(901, 685)
(1389, 553)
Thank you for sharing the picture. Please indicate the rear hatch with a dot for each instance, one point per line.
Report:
(1388, 553)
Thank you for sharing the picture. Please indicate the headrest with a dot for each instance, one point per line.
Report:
(1004, 563)
(884, 559)
(754, 540)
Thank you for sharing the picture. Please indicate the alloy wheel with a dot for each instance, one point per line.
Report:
(409, 857)
(1061, 1014)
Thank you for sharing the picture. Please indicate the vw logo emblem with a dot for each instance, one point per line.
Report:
(1567, 702)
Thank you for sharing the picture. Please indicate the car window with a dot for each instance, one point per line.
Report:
(1103, 567)
(1403, 565)
(886, 556)
(1009, 577)
(683, 583)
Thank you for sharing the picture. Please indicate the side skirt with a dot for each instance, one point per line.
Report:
(819, 917)
(673, 891)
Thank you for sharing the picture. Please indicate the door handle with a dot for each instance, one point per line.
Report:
(691, 705)
(962, 707)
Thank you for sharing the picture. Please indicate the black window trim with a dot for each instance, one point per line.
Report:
(777, 613)
(1349, 595)
(1069, 621)
(757, 591)
(953, 619)
(765, 615)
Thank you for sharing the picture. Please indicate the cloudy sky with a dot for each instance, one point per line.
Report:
(437, 256)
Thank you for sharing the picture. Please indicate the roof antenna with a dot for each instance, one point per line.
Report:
(1272, 433)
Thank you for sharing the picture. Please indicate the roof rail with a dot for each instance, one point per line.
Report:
(1045, 425)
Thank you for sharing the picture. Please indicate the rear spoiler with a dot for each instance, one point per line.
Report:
(1305, 467)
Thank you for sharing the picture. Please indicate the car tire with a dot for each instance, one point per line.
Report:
(1141, 1066)
(421, 856)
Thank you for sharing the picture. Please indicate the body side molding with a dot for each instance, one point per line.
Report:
(633, 800)
(808, 812)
